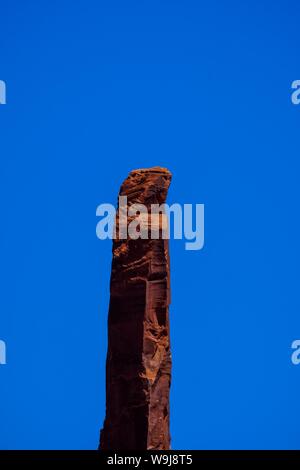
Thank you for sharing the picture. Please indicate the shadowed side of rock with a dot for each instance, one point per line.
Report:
(138, 365)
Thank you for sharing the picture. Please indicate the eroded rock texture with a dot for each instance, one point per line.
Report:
(138, 367)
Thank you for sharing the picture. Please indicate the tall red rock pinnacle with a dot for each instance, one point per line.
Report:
(138, 365)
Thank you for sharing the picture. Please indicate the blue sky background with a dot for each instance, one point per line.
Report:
(94, 90)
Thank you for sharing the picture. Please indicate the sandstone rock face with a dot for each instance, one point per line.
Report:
(138, 365)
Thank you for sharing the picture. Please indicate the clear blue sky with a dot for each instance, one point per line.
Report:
(95, 89)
